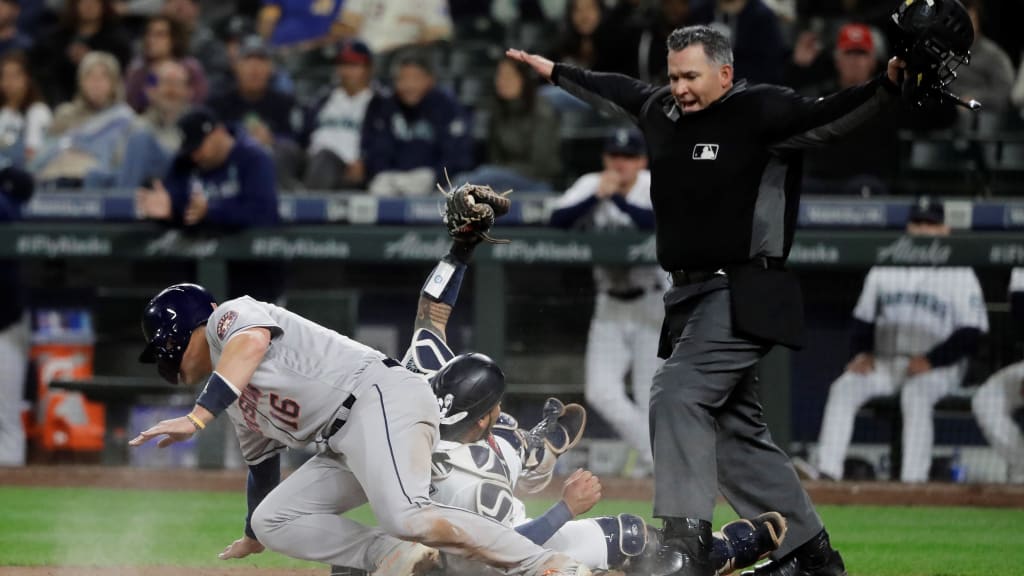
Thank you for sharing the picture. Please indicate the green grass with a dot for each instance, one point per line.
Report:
(77, 526)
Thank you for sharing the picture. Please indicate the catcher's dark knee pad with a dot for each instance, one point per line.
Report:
(625, 535)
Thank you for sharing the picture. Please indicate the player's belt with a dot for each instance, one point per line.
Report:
(350, 401)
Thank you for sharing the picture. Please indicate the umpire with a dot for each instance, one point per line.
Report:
(725, 166)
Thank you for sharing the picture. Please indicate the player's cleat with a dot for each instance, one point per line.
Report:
(409, 559)
(346, 571)
(814, 558)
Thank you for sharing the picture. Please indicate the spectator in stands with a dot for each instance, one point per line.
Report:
(11, 38)
(155, 138)
(164, 41)
(651, 53)
(202, 43)
(88, 135)
(85, 26)
(1002, 394)
(386, 25)
(864, 161)
(24, 117)
(219, 180)
(758, 49)
(300, 24)
(626, 324)
(416, 134)
(15, 190)
(522, 134)
(913, 329)
(589, 40)
(989, 77)
(270, 117)
(335, 149)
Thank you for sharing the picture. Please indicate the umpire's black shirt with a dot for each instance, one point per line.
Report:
(726, 179)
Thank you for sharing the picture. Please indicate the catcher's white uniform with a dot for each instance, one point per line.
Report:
(913, 309)
(481, 477)
(996, 401)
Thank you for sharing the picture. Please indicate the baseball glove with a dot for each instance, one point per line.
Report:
(470, 211)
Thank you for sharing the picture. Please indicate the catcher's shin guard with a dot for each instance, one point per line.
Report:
(743, 542)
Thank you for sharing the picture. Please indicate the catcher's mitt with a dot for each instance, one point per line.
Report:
(470, 210)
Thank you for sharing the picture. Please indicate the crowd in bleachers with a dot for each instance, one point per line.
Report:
(387, 96)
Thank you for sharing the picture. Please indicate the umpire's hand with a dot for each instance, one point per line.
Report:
(895, 70)
(540, 64)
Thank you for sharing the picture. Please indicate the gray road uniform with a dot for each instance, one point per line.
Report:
(377, 423)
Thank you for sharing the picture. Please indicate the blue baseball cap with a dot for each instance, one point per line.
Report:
(625, 142)
(927, 210)
(195, 125)
(354, 51)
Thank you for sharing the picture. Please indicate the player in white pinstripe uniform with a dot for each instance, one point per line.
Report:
(1003, 394)
(914, 327)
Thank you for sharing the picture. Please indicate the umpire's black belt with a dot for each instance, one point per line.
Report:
(351, 400)
(696, 276)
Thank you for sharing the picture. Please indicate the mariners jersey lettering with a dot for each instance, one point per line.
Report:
(306, 374)
(916, 308)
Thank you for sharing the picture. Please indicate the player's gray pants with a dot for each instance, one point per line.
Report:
(383, 455)
(707, 425)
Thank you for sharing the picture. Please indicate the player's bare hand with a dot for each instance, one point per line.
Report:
(862, 363)
(918, 365)
(540, 64)
(581, 491)
(173, 431)
(241, 548)
(197, 208)
(609, 183)
(153, 202)
(895, 70)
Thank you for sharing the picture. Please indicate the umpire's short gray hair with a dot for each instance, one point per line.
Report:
(716, 45)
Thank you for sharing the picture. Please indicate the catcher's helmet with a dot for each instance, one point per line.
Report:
(467, 388)
(168, 322)
(934, 37)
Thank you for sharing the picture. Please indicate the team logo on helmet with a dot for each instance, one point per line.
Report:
(445, 406)
(225, 322)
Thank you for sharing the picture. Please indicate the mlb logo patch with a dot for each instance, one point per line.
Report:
(225, 322)
(705, 152)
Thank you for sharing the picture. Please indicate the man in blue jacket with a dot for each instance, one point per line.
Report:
(415, 134)
(219, 180)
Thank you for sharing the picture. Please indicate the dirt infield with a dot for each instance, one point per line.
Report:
(158, 571)
(852, 493)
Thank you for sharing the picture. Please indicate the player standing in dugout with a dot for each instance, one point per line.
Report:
(725, 165)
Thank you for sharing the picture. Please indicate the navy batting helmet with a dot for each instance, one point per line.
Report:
(467, 388)
(168, 322)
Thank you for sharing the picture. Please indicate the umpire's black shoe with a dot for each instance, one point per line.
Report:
(814, 558)
(686, 550)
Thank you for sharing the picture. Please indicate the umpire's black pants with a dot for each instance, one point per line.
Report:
(707, 426)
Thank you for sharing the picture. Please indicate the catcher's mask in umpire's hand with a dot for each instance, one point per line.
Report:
(467, 388)
(934, 37)
(168, 322)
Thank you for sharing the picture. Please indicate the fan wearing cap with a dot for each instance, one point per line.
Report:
(626, 323)
(913, 330)
(268, 115)
(335, 154)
